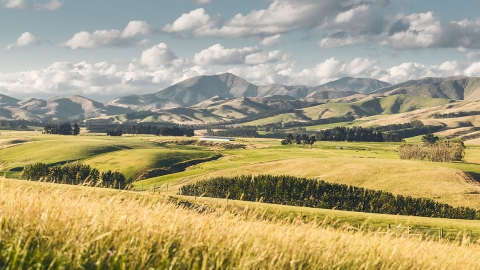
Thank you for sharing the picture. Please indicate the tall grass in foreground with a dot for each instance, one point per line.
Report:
(46, 226)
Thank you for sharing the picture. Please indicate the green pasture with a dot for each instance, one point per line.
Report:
(131, 155)
(132, 163)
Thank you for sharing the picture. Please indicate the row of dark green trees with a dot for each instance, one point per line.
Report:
(360, 134)
(74, 174)
(17, 124)
(158, 130)
(455, 114)
(289, 190)
(62, 129)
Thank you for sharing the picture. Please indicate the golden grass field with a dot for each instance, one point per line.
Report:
(54, 227)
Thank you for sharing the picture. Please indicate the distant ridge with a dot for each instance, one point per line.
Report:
(225, 96)
(227, 85)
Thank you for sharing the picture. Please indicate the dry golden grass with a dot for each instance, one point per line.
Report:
(47, 226)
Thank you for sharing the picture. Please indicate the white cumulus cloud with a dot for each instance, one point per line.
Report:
(271, 41)
(158, 55)
(219, 55)
(110, 38)
(25, 40)
(195, 20)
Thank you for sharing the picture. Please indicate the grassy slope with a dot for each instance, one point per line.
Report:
(132, 163)
(388, 105)
(109, 230)
(281, 118)
(130, 155)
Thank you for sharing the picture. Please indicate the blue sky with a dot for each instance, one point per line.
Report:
(107, 48)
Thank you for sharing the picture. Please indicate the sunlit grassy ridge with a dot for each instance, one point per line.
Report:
(56, 227)
(132, 163)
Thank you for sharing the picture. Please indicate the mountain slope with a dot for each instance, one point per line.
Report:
(359, 85)
(457, 88)
(227, 85)
(73, 108)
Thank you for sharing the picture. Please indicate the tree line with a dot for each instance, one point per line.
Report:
(158, 130)
(361, 134)
(353, 134)
(395, 127)
(62, 129)
(289, 190)
(17, 124)
(455, 114)
(74, 174)
(321, 121)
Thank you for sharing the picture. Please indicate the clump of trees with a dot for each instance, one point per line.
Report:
(62, 129)
(299, 139)
(433, 150)
(74, 173)
(289, 190)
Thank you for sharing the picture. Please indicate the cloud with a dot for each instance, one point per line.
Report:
(339, 39)
(25, 40)
(264, 58)
(280, 17)
(195, 20)
(22, 4)
(158, 55)
(404, 32)
(110, 38)
(271, 41)
(218, 55)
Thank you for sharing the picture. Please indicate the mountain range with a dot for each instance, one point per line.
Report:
(225, 96)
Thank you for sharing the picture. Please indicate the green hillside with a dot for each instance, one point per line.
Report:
(386, 105)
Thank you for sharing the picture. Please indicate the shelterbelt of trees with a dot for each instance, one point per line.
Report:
(74, 174)
(455, 114)
(289, 190)
(18, 124)
(389, 133)
(158, 130)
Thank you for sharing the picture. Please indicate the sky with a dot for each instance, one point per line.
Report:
(102, 49)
